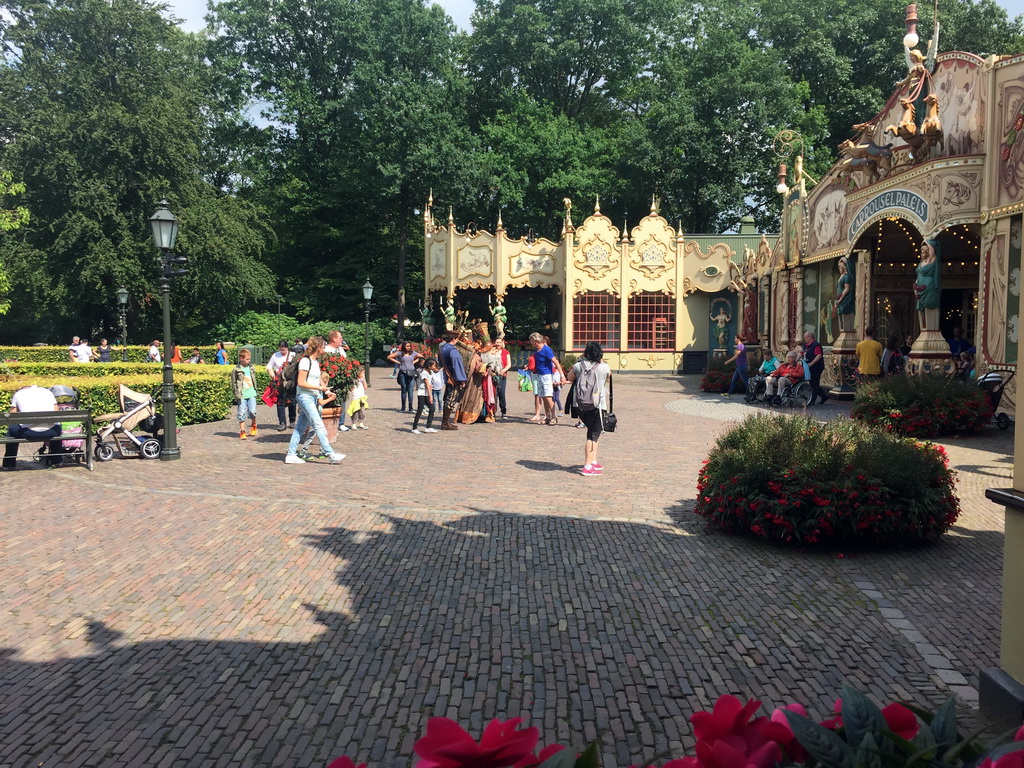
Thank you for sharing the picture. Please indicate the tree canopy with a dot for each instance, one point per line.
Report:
(298, 139)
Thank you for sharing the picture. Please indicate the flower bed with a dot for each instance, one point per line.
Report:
(792, 479)
(717, 377)
(922, 406)
(729, 736)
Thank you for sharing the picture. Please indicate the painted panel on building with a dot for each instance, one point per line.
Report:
(1013, 291)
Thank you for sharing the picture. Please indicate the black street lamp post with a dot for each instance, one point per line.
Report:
(279, 298)
(367, 295)
(165, 231)
(122, 304)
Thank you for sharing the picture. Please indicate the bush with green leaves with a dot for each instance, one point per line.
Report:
(262, 329)
(201, 397)
(922, 406)
(795, 480)
(718, 375)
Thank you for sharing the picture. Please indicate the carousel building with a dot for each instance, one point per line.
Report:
(655, 299)
(936, 176)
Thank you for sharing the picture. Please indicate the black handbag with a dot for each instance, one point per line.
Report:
(609, 421)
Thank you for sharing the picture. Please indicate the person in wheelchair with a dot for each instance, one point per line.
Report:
(781, 381)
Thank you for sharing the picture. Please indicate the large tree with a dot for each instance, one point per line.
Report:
(105, 113)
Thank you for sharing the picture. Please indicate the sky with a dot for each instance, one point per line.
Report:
(192, 11)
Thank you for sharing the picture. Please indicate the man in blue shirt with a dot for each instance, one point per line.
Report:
(455, 373)
(958, 344)
(543, 359)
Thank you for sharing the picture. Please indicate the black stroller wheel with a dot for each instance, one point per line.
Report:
(1003, 421)
(104, 452)
(150, 448)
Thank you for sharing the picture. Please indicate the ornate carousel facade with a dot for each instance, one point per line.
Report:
(656, 299)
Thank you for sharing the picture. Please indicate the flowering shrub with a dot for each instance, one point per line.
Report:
(922, 406)
(717, 377)
(860, 734)
(343, 373)
(792, 479)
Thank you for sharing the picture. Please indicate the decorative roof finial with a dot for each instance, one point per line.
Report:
(451, 218)
(568, 227)
(625, 231)
(679, 232)
(654, 205)
(597, 205)
(500, 226)
(430, 199)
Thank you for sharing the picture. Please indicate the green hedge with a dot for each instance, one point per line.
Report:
(71, 373)
(796, 480)
(200, 398)
(60, 354)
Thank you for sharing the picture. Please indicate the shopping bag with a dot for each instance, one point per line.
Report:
(525, 381)
(269, 396)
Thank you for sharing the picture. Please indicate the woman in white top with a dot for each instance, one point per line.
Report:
(308, 391)
(593, 419)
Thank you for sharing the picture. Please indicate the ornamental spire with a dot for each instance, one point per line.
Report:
(597, 205)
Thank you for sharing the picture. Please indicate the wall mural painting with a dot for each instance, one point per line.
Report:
(474, 260)
(1013, 291)
(722, 313)
(810, 308)
(961, 106)
(1011, 149)
(828, 224)
(437, 260)
(996, 293)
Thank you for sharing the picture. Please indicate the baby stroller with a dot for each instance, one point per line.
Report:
(56, 452)
(993, 383)
(136, 411)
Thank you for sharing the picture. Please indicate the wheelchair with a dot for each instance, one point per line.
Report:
(756, 389)
(793, 396)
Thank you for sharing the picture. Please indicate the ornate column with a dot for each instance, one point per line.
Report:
(842, 361)
(930, 353)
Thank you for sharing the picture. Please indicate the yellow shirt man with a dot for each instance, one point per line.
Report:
(869, 353)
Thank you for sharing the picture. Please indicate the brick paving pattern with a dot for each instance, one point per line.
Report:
(231, 610)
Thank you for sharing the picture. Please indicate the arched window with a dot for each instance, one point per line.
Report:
(595, 317)
(652, 321)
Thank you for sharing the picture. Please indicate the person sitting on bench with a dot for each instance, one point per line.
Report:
(31, 399)
(782, 379)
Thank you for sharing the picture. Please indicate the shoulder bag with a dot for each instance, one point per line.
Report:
(609, 421)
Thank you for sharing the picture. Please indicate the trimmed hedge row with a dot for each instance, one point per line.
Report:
(200, 398)
(136, 354)
(77, 371)
(922, 406)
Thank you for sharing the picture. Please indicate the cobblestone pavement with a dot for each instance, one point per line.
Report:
(228, 609)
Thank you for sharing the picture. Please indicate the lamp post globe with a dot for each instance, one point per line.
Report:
(122, 304)
(367, 295)
(164, 226)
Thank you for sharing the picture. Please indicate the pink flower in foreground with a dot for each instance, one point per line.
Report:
(793, 747)
(728, 738)
(898, 718)
(531, 760)
(446, 745)
(1012, 760)
(1020, 734)
(344, 762)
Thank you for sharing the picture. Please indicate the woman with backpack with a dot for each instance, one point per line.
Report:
(892, 357)
(309, 388)
(590, 377)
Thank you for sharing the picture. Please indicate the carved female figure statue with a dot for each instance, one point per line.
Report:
(449, 314)
(845, 296)
(499, 313)
(722, 321)
(427, 320)
(928, 284)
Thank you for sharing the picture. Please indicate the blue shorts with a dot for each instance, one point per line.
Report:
(247, 405)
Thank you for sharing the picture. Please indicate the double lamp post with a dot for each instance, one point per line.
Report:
(165, 231)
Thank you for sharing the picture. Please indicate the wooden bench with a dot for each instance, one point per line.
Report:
(47, 419)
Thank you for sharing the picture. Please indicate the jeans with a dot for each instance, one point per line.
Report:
(308, 415)
(246, 409)
(428, 403)
(16, 430)
(738, 374)
(438, 399)
(285, 408)
(502, 382)
(407, 383)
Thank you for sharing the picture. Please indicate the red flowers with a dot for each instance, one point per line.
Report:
(344, 762)
(728, 738)
(447, 745)
(900, 720)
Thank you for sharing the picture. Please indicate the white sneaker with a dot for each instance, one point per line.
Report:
(343, 428)
(337, 458)
(361, 426)
(430, 429)
(291, 458)
(415, 431)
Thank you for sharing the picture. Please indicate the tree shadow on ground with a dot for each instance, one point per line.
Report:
(590, 628)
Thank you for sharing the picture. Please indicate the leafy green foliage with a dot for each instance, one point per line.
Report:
(793, 479)
(922, 406)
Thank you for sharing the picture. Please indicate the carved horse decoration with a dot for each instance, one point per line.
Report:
(862, 154)
(931, 128)
(907, 128)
